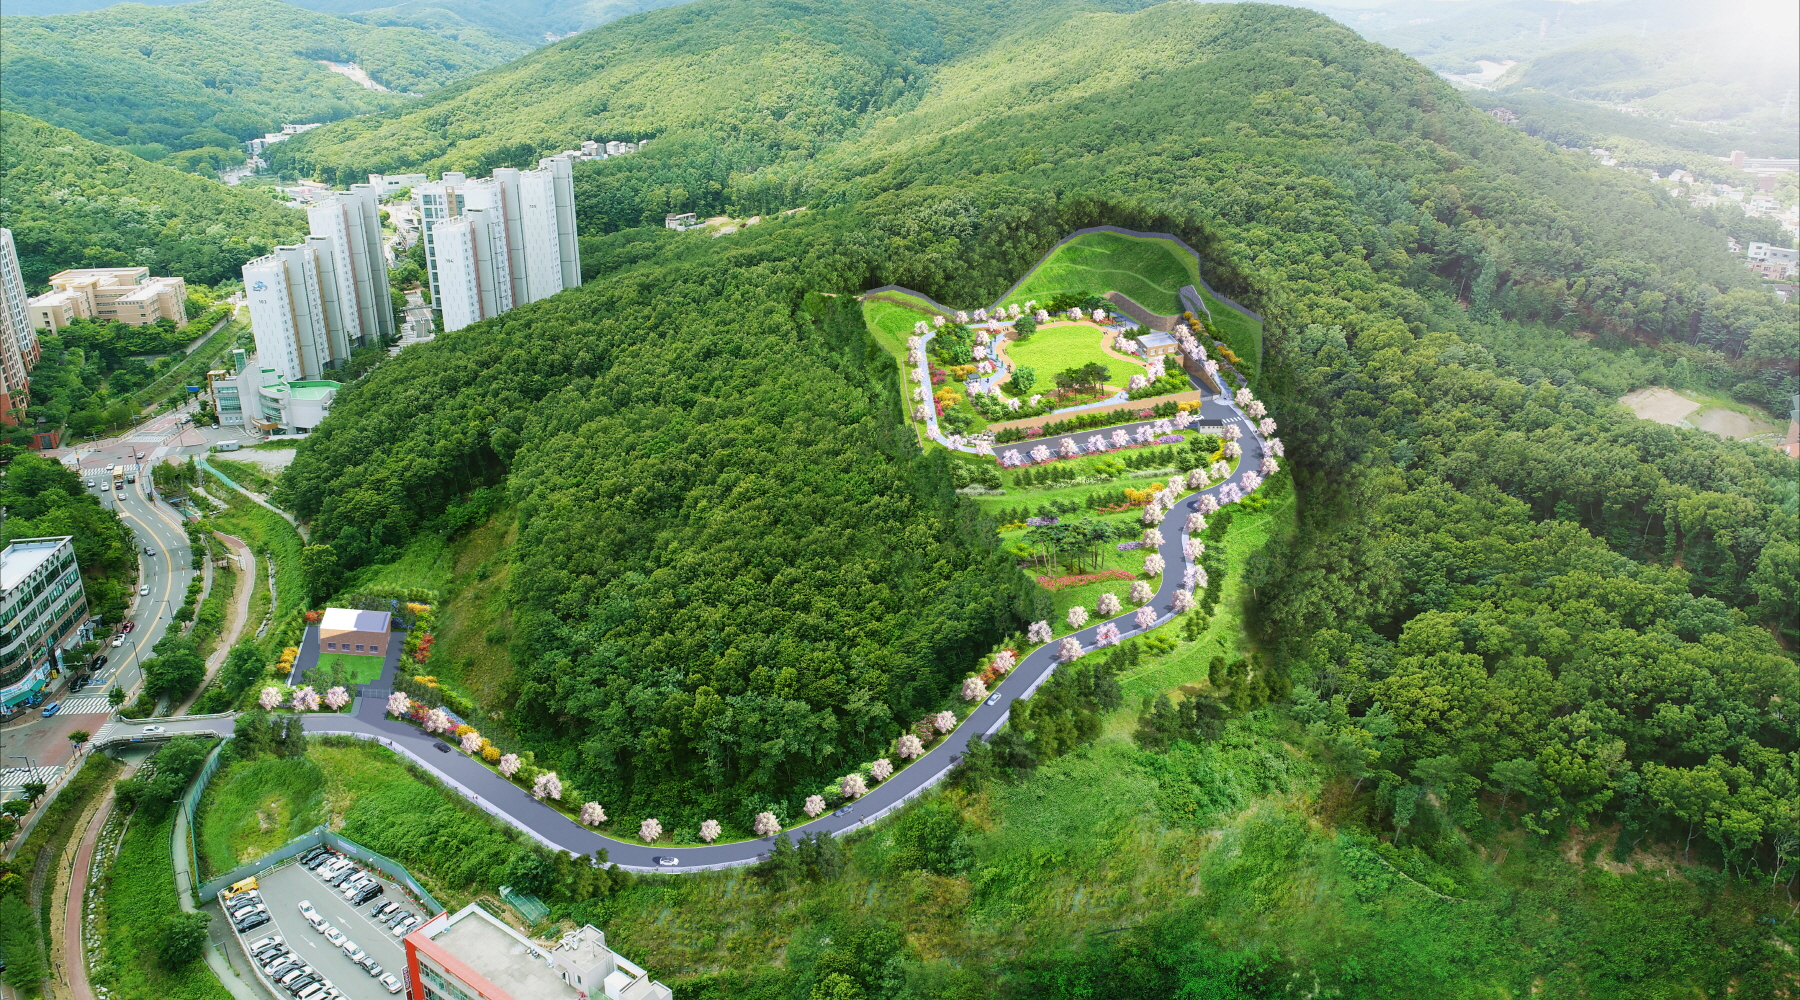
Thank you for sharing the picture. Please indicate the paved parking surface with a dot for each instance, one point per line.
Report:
(284, 888)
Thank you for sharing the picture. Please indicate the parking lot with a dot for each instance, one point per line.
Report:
(282, 890)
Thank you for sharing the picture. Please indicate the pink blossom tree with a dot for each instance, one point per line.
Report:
(1194, 577)
(1075, 314)
(1275, 447)
(1229, 493)
(1195, 524)
(1078, 616)
(437, 721)
(1153, 536)
(962, 316)
(1207, 504)
(938, 321)
(1040, 454)
(1011, 457)
(1068, 448)
(1269, 467)
(398, 704)
(547, 786)
(1197, 479)
(1161, 427)
(1136, 382)
(768, 826)
(1184, 602)
(1141, 592)
(851, 786)
(981, 315)
(1266, 426)
(306, 699)
(913, 356)
(1244, 396)
(592, 814)
(882, 769)
(1231, 432)
(509, 764)
(649, 831)
(471, 742)
(1252, 482)
(1233, 450)
(1146, 618)
(1106, 635)
(336, 698)
(1108, 605)
(945, 721)
(1256, 409)
(1004, 660)
(709, 830)
(1153, 564)
(1212, 368)
(1039, 633)
(1042, 316)
(1192, 549)
(973, 689)
(1097, 443)
(1099, 315)
(922, 412)
(271, 697)
(815, 804)
(1144, 433)
(1069, 650)
(908, 747)
(1153, 513)
(1120, 438)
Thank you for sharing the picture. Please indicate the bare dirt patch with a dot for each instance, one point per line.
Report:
(1665, 406)
(1731, 424)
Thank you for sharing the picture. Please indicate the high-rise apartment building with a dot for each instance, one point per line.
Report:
(18, 341)
(312, 303)
(501, 241)
(42, 603)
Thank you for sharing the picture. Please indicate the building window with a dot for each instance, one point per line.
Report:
(359, 647)
(331, 645)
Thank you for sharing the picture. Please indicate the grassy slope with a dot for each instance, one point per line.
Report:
(271, 537)
(1070, 345)
(1149, 271)
(140, 895)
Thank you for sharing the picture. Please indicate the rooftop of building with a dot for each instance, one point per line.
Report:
(111, 275)
(1154, 339)
(20, 559)
(500, 955)
(354, 620)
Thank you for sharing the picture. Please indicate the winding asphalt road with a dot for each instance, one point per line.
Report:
(514, 805)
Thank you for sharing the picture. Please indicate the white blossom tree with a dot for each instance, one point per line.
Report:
(1266, 426)
(815, 804)
(1184, 602)
(1231, 432)
(1075, 314)
(1013, 310)
(547, 786)
(1108, 605)
(509, 764)
(981, 339)
(1013, 404)
(1268, 467)
(336, 698)
(1196, 578)
(592, 814)
(1184, 419)
(709, 830)
(1256, 408)
(909, 746)
(1012, 456)
(1121, 438)
(918, 394)
(1233, 449)
(1142, 592)
(984, 449)
(920, 329)
(1099, 315)
(1244, 396)
(1153, 536)
(962, 316)
(1097, 443)
(1212, 368)
(1207, 504)
(649, 830)
(1160, 428)
(1195, 524)
(1146, 618)
(1036, 398)
(271, 697)
(1197, 480)
(1192, 548)
(1221, 469)
(1039, 632)
(1229, 493)
(1078, 616)
(938, 321)
(1042, 316)
(1275, 447)
(979, 353)
(1068, 448)
(1040, 454)
(398, 703)
(913, 356)
(1153, 564)
(1144, 433)
(923, 412)
(1136, 382)
(1070, 649)
(973, 689)
(981, 315)
(851, 786)
(1252, 482)
(767, 825)
(437, 721)
(471, 742)
(307, 700)
(882, 769)
(1106, 635)
(1153, 513)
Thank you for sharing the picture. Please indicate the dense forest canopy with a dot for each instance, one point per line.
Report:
(207, 76)
(71, 202)
(727, 573)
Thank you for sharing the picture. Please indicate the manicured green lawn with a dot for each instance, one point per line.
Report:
(1057, 348)
(360, 669)
(1150, 271)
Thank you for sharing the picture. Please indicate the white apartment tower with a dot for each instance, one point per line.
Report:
(501, 241)
(18, 340)
(311, 304)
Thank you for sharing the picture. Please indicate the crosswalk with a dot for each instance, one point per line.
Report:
(14, 779)
(92, 705)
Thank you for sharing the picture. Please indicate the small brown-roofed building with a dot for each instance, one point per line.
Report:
(357, 632)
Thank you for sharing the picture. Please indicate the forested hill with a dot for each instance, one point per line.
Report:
(75, 203)
(211, 75)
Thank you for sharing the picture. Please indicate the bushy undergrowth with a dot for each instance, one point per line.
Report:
(139, 902)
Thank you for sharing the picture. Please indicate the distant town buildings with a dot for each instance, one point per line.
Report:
(42, 603)
(313, 303)
(600, 149)
(1504, 115)
(258, 398)
(472, 954)
(1772, 262)
(127, 294)
(501, 241)
(685, 220)
(386, 184)
(18, 339)
(257, 146)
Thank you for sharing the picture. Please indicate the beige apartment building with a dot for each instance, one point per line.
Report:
(127, 294)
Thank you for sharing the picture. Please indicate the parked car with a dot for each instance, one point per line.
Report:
(387, 906)
(320, 860)
(306, 907)
(393, 919)
(144, 591)
(403, 926)
(98, 664)
(128, 627)
(52, 708)
(252, 922)
(118, 640)
(375, 969)
(335, 936)
(392, 984)
(260, 943)
(368, 893)
(356, 954)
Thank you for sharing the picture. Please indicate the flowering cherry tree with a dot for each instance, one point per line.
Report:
(1256, 408)
(1244, 396)
(913, 356)
(1184, 602)
(1160, 428)
(649, 830)
(909, 746)
(1275, 447)
(709, 830)
(882, 769)
(1070, 649)
(1144, 433)
(336, 698)
(851, 786)
(1212, 368)
(1192, 549)
(815, 804)
(1099, 315)
(981, 338)
(1004, 660)
(962, 316)
(509, 764)
(1269, 468)
(1078, 616)
(437, 721)
(1013, 404)
(1194, 577)
(1136, 382)
(271, 696)
(984, 449)
(1231, 432)
(1075, 314)
(1096, 443)
(973, 689)
(306, 699)
(1146, 618)
(1266, 426)
(1153, 536)
(1121, 438)
(920, 329)
(592, 814)
(1252, 482)
(938, 321)
(547, 786)
(1013, 310)
(1221, 469)
(1039, 632)
(1040, 454)
(1229, 493)
(1195, 524)
(922, 412)
(1233, 449)
(1068, 448)
(1106, 635)
(1108, 605)
(979, 352)
(1042, 316)
(768, 826)
(471, 742)
(1207, 504)
(1153, 564)
(1197, 479)
(981, 315)
(1152, 513)
(1011, 457)
(1141, 592)
(397, 704)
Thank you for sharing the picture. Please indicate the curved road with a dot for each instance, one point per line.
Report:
(516, 806)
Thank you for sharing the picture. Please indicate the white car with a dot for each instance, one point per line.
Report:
(306, 908)
(403, 926)
(144, 591)
(392, 984)
(356, 954)
(335, 936)
(155, 729)
(118, 640)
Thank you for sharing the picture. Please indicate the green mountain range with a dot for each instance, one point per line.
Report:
(71, 202)
(206, 76)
